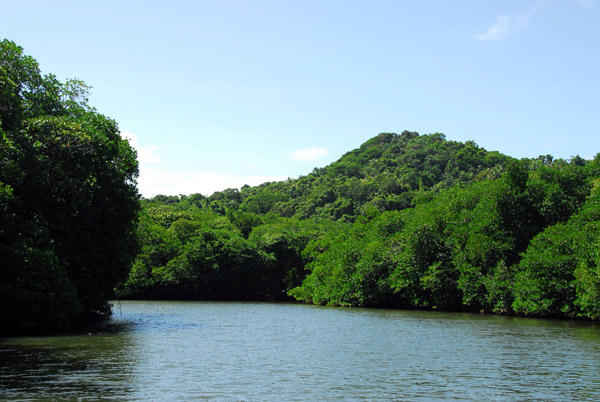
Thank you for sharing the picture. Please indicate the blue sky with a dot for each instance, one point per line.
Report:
(217, 94)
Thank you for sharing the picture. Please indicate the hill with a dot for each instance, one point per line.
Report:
(385, 173)
(411, 221)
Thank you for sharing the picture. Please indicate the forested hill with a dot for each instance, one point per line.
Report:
(411, 221)
(404, 221)
(385, 173)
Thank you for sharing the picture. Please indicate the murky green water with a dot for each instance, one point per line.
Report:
(286, 352)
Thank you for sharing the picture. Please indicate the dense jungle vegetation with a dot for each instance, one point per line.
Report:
(68, 200)
(409, 221)
(405, 221)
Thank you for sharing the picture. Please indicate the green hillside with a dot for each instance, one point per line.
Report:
(385, 173)
(408, 220)
(411, 221)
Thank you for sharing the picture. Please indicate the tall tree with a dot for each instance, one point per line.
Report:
(68, 198)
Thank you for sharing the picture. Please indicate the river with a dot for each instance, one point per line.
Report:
(186, 351)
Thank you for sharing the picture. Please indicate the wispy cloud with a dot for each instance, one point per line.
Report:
(157, 178)
(503, 27)
(309, 154)
(146, 155)
(587, 3)
(153, 181)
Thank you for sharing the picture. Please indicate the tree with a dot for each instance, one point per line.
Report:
(560, 272)
(69, 200)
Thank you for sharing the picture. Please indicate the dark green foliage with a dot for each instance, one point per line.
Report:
(404, 221)
(350, 264)
(387, 172)
(192, 253)
(409, 220)
(545, 283)
(68, 200)
(560, 272)
(497, 245)
(284, 241)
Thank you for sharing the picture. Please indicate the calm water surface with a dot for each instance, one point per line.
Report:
(288, 352)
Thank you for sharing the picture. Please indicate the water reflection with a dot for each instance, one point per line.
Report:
(96, 363)
(273, 352)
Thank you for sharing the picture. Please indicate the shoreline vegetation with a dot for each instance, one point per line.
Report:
(404, 221)
(68, 201)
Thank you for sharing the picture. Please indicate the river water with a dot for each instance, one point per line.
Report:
(186, 351)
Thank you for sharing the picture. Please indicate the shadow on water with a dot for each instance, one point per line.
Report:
(96, 360)
(271, 352)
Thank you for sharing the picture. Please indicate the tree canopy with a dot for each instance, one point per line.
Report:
(68, 200)
(408, 220)
(405, 220)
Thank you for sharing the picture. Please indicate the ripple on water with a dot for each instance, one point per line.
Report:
(274, 352)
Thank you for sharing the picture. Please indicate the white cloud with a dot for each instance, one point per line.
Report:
(503, 27)
(153, 181)
(309, 154)
(146, 154)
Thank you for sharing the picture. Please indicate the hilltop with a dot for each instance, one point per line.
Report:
(408, 220)
(385, 173)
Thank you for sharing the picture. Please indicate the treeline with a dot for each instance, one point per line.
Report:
(404, 221)
(192, 253)
(527, 243)
(249, 244)
(408, 221)
(386, 173)
(68, 200)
